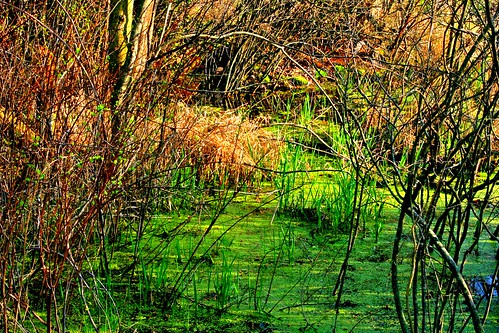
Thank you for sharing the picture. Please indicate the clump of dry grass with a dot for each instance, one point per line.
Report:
(223, 146)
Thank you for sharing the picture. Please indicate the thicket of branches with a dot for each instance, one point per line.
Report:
(87, 148)
(428, 126)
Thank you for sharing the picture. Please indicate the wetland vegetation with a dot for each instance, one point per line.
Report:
(248, 166)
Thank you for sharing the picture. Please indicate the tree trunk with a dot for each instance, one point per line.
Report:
(130, 32)
(120, 29)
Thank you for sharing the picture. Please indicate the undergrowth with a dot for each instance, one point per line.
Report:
(375, 170)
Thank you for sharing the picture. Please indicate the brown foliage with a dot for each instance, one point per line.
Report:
(223, 146)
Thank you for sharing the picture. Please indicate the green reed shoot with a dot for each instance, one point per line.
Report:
(226, 282)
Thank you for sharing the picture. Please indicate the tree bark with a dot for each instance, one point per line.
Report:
(130, 32)
(468, 298)
(120, 29)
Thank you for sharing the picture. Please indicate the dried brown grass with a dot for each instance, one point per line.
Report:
(223, 146)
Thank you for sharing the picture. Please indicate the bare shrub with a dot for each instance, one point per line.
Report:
(68, 183)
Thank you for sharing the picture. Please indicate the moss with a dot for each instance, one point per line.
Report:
(299, 81)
